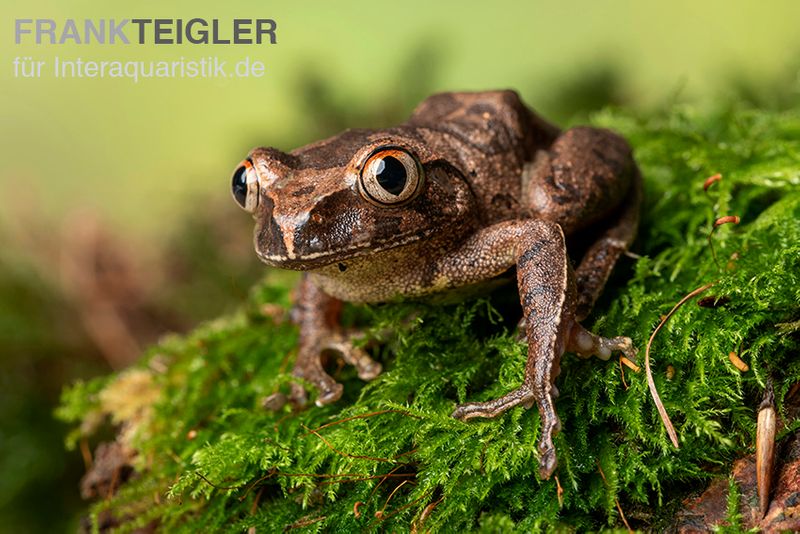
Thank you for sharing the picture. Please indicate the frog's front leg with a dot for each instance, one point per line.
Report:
(317, 315)
(547, 293)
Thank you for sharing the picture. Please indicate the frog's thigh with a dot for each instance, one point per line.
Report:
(548, 299)
(580, 179)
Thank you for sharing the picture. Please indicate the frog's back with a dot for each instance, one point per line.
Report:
(491, 135)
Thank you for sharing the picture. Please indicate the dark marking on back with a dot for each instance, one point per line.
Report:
(606, 158)
(602, 182)
(504, 201)
(480, 108)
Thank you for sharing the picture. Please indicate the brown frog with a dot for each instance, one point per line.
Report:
(470, 187)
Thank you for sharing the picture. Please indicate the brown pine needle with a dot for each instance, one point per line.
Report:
(341, 453)
(256, 501)
(114, 481)
(305, 522)
(86, 453)
(215, 486)
(616, 501)
(389, 498)
(650, 382)
(255, 483)
(384, 479)
(362, 416)
(559, 493)
(420, 522)
(362, 479)
(407, 505)
(622, 374)
(629, 364)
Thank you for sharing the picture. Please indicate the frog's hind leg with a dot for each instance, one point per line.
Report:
(586, 177)
(599, 260)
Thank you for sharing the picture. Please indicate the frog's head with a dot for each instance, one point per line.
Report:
(359, 192)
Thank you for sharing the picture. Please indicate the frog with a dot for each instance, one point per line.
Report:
(471, 188)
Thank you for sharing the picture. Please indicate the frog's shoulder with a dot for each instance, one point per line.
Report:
(497, 112)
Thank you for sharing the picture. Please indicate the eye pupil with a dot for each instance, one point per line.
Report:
(391, 174)
(239, 185)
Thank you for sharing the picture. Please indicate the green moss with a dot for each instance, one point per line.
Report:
(391, 445)
(734, 516)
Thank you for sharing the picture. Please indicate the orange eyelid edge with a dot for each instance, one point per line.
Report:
(389, 151)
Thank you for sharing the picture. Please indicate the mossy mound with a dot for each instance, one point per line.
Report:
(388, 456)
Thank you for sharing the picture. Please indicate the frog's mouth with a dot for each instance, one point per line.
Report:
(306, 260)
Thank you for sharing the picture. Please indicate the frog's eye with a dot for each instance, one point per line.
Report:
(390, 176)
(244, 186)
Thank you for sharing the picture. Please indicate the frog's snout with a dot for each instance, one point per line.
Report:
(283, 234)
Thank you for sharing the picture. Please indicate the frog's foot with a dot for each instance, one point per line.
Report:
(586, 344)
(317, 315)
(310, 368)
(523, 396)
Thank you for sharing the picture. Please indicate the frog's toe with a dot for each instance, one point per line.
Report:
(327, 396)
(366, 367)
(466, 411)
(521, 396)
(547, 461)
(298, 396)
(586, 344)
(328, 393)
(275, 402)
(329, 390)
(369, 370)
(625, 345)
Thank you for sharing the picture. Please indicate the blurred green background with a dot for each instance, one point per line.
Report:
(115, 219)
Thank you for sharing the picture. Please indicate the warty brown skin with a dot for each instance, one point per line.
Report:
(498, 188)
